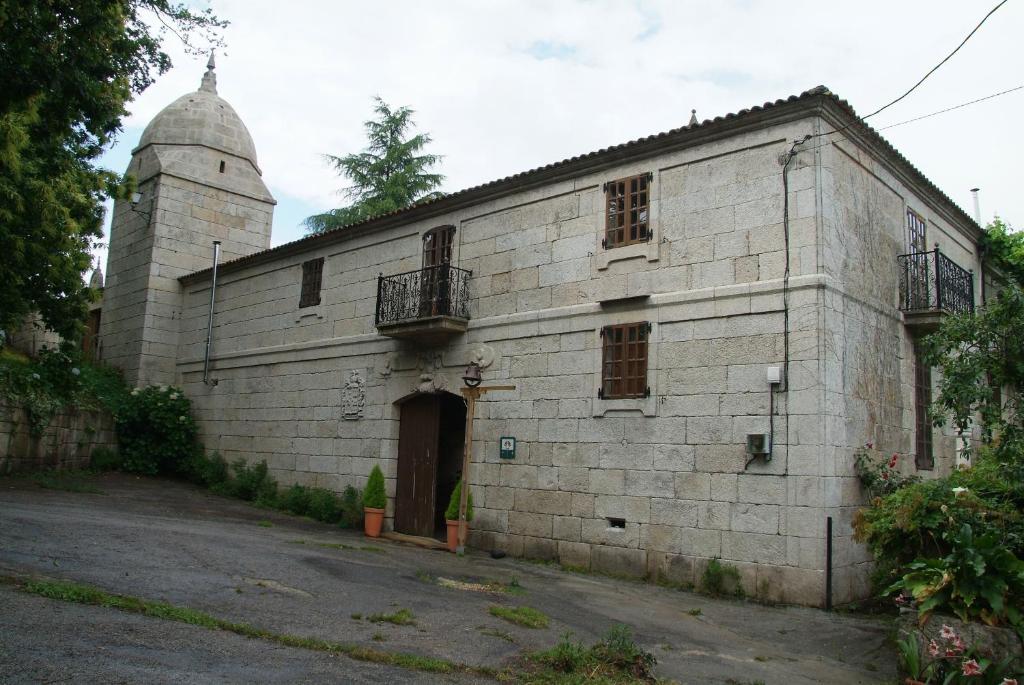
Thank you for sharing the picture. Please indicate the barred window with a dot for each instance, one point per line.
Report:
(312, 275)
(624, 361)
(628, 211)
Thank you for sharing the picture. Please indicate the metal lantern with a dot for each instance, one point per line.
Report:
(472, 377)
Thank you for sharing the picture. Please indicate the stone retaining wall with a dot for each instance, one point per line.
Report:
(67, 443)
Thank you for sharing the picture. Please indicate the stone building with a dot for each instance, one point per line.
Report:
(666, 309)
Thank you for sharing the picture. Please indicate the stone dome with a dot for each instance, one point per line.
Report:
(201, 118)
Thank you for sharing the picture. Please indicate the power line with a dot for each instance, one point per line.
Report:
(950, 109)
(923, 78)
(935, 68)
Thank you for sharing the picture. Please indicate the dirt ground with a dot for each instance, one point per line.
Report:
(163, 540)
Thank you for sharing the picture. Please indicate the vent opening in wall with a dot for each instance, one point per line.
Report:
(616, 523)
(222, 166)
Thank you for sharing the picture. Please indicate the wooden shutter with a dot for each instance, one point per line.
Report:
(624, 361)
(923, 450)
(312, 275)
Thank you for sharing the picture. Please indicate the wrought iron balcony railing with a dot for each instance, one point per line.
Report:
(434, 291)
(932, 281)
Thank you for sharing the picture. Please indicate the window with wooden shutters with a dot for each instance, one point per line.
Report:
(624, 361)
(924, 457)
(627, 202)
(312, 275)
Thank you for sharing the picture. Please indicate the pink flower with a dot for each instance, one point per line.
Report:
(971, 667)
(869, 445)
(900, 600)
(947, 633)
(1009, 681)
(958, 644)
(885, 475)
(933, 648)
(892, 461)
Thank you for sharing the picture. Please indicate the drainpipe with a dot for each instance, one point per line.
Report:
(981, 249)
(209, 323)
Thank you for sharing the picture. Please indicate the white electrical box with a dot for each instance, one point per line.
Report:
(759, 444)
(774, 374)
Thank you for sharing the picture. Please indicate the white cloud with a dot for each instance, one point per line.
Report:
(302, 76)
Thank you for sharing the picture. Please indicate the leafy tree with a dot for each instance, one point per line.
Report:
(390, 174)
(981, 353)
(67, 69)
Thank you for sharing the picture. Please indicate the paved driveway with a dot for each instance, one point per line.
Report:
(163, 540)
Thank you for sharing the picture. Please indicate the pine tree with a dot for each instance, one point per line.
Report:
(391, 173)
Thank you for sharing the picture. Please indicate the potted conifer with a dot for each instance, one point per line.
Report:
(374, 502)
(451, 515)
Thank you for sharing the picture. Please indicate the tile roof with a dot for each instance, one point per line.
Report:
(608, 155)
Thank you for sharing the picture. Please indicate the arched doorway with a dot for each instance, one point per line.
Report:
(431, 438)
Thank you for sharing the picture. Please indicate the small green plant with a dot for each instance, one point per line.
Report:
(351, 508)
(721, 579)
(452, 512)
(374, 497)
(694, 612)
(356, 616)
(251, 483)
(879, 474)
(265, 524)
(379, 637)
(402, 617)
(615, 659)
(295, 500)
(324, 506)
(104, 459)
(521, 616)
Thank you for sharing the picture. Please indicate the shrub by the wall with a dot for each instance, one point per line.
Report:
(155, 431)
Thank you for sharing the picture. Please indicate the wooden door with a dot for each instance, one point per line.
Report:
(418, 442)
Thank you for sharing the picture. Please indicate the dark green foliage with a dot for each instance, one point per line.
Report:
(615, 659)
(720, 579)
(211, 472)
(156, 432)
(452, 512)
(67, 480)
(389, 175)
(104, 459)
(68, 70)
(324, 506)
(1004, 247)
(295, 500)
(528, 617)
(351, 508)
(56, 379)
(374, 496)
(250, 482)
(978, 579)
(977, 354)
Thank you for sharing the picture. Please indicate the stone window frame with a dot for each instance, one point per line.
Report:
(924, 439)
(649, 249)
(647, 406)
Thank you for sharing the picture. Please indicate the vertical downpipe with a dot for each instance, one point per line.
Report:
(209, 322)
(828, 564)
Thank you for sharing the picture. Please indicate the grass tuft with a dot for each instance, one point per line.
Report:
(68, 481)
(615, 660)
(78, 593)
(522, 616)
(402, 617)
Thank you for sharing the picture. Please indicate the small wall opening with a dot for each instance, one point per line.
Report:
(616, 523)
(222, 166)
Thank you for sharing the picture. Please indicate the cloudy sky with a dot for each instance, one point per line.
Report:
(505, 86)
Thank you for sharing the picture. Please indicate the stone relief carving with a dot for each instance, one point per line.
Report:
(482, 354)
(353, 396)
(431, 377)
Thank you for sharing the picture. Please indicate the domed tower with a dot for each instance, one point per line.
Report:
(198, 181)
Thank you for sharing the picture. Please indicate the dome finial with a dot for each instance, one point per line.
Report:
(693, 114)
(209, 83)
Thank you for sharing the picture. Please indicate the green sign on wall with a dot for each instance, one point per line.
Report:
(507, 447)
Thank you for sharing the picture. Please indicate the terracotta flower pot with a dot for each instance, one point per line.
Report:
(453, 534)
(373, 519)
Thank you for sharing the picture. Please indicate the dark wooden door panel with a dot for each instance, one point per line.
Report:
(418, 440)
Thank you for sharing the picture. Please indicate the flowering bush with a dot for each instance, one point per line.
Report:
(155, 431)
(951, 661)
(879, 475)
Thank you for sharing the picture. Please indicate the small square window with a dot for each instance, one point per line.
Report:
(624, 361)
(312, 275)
(627, 204)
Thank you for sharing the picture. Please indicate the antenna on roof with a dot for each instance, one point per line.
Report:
(693, 117)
